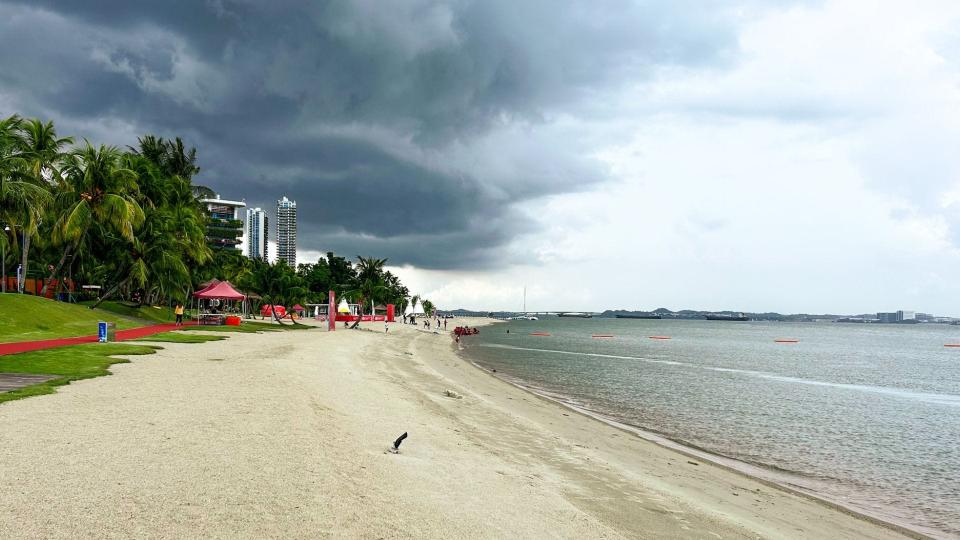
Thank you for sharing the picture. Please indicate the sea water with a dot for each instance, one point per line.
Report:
(866, 415)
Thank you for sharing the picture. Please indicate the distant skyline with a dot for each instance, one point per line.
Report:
(790, 156)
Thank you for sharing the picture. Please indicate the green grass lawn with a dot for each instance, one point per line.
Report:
(70, 363)
(160, 314)
(26, 318)
(180, 337)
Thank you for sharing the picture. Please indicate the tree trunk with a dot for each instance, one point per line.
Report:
(23, 262)
(56, 270)
(111, 292)
(275, 316)
(273, 311)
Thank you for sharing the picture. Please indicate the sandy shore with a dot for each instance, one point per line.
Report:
(285, 435)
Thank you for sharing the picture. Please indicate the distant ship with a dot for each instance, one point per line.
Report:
(640, 316)
(577, 315)
(724, 317)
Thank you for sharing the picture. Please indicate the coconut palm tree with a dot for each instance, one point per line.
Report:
(171, 157)
(98, 188)
(275, 282)
(43, 155)
(13, 201)
(370, 290)
(369, 268)
(152, 261)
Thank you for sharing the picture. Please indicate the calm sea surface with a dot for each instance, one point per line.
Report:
(866, 415)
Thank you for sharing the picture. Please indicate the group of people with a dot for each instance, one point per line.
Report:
(411, 319)
(465, 331)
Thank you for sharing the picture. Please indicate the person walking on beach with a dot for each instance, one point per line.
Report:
(178, 311)
(444, 325)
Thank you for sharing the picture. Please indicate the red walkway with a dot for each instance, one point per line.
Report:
(122, 335)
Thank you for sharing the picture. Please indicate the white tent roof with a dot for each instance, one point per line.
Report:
(418, 309)
(409, 311)
(343, 307)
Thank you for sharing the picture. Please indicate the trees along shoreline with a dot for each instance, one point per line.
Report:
(130, 221)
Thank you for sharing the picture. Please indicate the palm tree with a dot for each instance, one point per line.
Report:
(370, 280)
(42, 154)
(181, 162)
(152, 261)
(98, 189)
(370, 290)
(171, 157)
(369, 268)
(275, 282)
(173, 234)
(13, 201)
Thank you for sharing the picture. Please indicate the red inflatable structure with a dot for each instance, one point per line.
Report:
(268, 310)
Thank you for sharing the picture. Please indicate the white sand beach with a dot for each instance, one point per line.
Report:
(284, 435)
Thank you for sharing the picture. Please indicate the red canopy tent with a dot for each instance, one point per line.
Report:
(208, 284)
(221, 290)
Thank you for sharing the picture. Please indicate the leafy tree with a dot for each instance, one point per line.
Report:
(277, 283)
(21, 201)
(98, 189)
(132, 221)
(41, 153)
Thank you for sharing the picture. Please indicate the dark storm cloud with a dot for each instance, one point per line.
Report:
(383, 119)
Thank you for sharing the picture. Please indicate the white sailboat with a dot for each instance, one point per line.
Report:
(525, 317)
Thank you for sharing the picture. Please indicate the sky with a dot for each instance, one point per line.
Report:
(791, 156)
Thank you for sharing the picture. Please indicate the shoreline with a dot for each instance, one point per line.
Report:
(286, 434)
(752, 471)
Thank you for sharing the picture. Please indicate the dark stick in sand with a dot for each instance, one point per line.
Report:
(396, 443)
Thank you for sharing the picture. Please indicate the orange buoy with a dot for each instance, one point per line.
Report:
(602, 336)
(786, 341)
(539, 333)
(659, 337)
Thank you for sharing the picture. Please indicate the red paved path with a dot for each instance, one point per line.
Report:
(122, 335)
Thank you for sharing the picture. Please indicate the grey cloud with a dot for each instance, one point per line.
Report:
(249, 83)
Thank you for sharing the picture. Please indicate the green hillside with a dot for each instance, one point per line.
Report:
(148, 313)
(25, 318)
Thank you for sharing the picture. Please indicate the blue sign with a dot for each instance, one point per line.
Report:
(102, 332)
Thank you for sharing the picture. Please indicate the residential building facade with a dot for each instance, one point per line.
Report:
(258, 231)
(287, 231)
(224, 228)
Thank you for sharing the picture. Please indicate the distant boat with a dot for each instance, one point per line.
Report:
(524, 318)
(577, 315)
(726, 317)
(640, 316)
